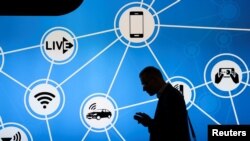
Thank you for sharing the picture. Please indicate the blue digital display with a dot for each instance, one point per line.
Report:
(75, 77)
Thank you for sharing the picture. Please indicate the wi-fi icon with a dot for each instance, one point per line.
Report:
(92, 106)
(17, 137)
(44, 98)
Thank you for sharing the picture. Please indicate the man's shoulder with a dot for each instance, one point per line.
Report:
(171, 91)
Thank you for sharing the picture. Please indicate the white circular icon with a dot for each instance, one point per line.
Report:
(136, 23)
(98, 112)
(226, 75)
(185, 87)
(58, 45)
(44, 99)
(14, 132)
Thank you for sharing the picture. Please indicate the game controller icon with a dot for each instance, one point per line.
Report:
(226, 73)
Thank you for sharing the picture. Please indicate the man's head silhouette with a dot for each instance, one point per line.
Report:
(151, 80)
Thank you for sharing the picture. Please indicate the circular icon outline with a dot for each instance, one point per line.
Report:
(61, 102)
(44, 52)
(2, 54)
(189, 83)
(223, 55)
(19, 126)
(139, 5)
(115, 111)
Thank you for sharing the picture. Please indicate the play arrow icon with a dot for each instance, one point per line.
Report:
(67, 45)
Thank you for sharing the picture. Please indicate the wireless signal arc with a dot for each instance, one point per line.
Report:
(17, 137)
(92, 106)
(44, 98)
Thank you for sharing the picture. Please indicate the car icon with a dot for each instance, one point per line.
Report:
(99, 113)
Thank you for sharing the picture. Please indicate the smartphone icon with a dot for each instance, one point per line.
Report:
(136, 24)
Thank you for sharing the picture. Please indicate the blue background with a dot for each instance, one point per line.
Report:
(180, 51)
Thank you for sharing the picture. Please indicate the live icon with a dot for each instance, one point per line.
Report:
(227, 132)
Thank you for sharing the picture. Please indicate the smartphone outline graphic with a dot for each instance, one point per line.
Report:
(136, 24)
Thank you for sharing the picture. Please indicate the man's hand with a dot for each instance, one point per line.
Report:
(143, 118)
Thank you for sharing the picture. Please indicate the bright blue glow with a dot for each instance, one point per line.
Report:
(205, 29)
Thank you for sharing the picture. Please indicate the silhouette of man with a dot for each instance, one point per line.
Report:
(170, 122)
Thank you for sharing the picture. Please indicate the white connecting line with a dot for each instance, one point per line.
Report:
(118, 133)
(50, 70)
(205, 113)
(169, 6)
(1, 122)
(210, 28)
(91, 60)
(157, 61)
(150, 5)
(154, 100)
(245, 72)
(199, 86)
(49, 131)
(203, 27)
(13, 79)
(107, 133)
(235, 113)
(97, 33)
(137, 104)
(116, 73)
(245, 83)
(19, 50)
(141, 3)
(86, 134)
(16, 51)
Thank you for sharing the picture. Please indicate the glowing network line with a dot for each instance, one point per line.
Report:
(97, 33)
(245, 83)
(141, 3)
(118, 68)
(13, 79)
(118, 133)
(151, 4)
(19, 50)
(201, 85)
(199, 108)
(120, 64)
(107, 134)
(203, 27)
(1, 122)
(48, 126)
(86, 134)
(91, 60)
(50, 70)
(169, 6)
(246, 72)
(232, 102)
(157, 61)
(137, 104)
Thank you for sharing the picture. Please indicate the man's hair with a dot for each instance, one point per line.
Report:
(151, 71)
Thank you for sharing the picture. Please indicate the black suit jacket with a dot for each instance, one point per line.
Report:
(170, 122)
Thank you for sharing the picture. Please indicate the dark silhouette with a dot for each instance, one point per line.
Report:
(218, 77)
(99, 114)
(170, 122)
(235, 77)
(6, 139)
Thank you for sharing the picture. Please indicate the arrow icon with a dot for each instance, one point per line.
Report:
(68, 45)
